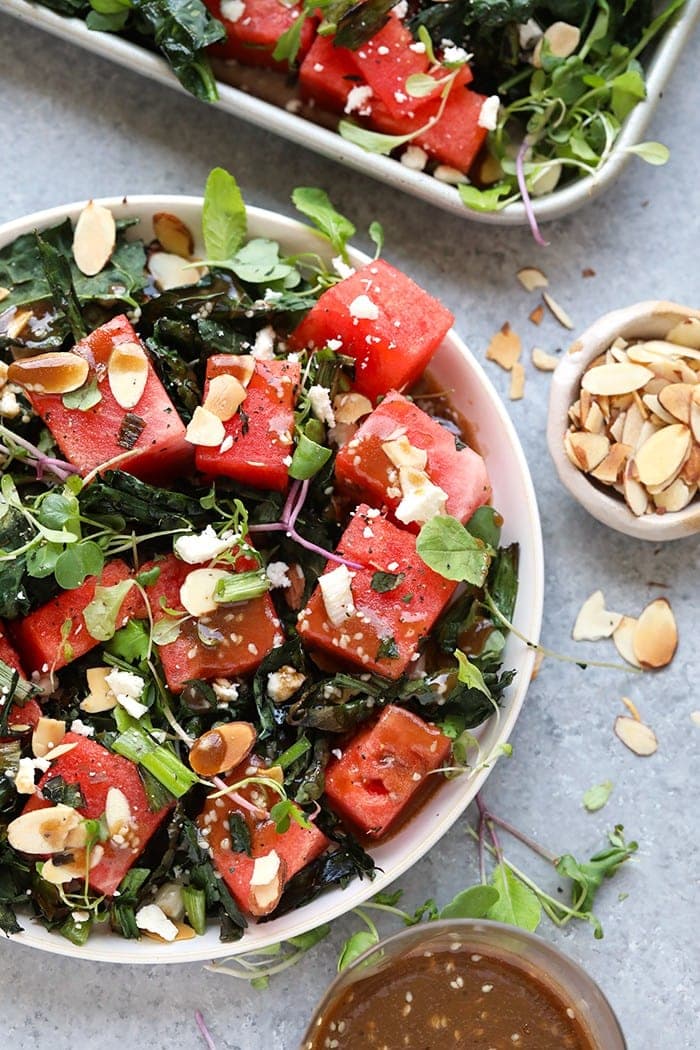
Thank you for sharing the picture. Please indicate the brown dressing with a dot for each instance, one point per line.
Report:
(458, 998)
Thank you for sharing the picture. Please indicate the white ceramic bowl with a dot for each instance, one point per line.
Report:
(513, 495)
(647, 320)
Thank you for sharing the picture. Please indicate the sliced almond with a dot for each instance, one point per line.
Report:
(17, 323)
(504, 348)
(617, 427)
(615, 379)
(531, 278)
(4, 293)
(184, 933)
(60, 750)
(197, 590)
(632, 708)
(127, 372)
(635, 494)
(638, 737)
(595, 420)
(266, 883)
(56, 372)
(43, 830)
(558, 311)
(537, 315)
(623, 636)
(655, 385)
(222, 748)
(662, 348)
(101, 697)
(676, 399)
(656, 635)
(243, 366)
(563, 39)
(174, 236)
(690, 471)
(544, 361)
(695, 415)
(225, 395)
(662, 455)
(94, 238)
(171, 271)
(47, 735)
(677, 496)
(403, 454)
(117, 812)
(588, 449)
(348, 408)
(594, 621)
(612, 466)
(59, 870)
(654, 405)
(205, 429)
(687, 333)
(517, 382)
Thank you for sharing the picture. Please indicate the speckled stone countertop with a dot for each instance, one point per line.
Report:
(75, 126)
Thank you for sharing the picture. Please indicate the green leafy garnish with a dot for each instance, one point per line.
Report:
(596, 797)
(382, 582)
(316, 205)
(517, 905)
(446, 547)
(224, 221)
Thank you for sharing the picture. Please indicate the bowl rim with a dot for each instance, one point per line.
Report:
(327, 908)
(639, 320)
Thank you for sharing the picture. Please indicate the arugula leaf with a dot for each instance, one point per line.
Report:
(446, 547)
(102, 613)
(517, 905)
(316, 205)
(587, 876)
(472, 903)
(596, 797)
(224, 220)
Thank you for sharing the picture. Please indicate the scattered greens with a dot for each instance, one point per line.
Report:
(596, 797)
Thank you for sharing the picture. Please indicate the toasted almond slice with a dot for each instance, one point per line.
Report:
(222, 748)
(48, 734)
(575, 413)
(618, 354)
(101, 697)
(43, 830)
(563, 39)
(537, 315)
(94, 238)
(61, 749)
(612, 466)
(676, 496)
(594, 422)
(56, 372)
(197, 590)
(171, 271)
(517, 382)
(661, 348)
(17, 323)
(632, 708)
(127, 372)
(695, 415)
(690, 471)
(4, 293)
(531, 278)
(266, 883)
(655, 385)
(544, 361)
(558, 311)
(348, 408)
(656, 636)
(594, 621)
(617, 427)
(686, 333)
(676, 398)
(225, 396)
(504, 348)
(117, 812)
(588, 449)
(672, 371)
(173, 234)
(662, 455)
(205, 429)
(654, 405)
(184, 933)
(635, 494)
(623, 636)
(58, 873)
(637, 736)
(615, 379)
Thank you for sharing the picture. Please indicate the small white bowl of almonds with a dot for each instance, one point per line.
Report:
(624, 420)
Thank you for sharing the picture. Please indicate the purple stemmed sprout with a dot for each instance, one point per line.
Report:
(37, 459)
(287, 523)
(206, 1034)
(525, 194)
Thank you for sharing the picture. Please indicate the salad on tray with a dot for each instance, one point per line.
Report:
(252, 594)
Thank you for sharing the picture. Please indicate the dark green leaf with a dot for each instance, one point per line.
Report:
(517, 905)
(316, 205)
(58, 276)
(224, 221)
(382, 582)
(57, 790)
(473, 903)
(240, 834)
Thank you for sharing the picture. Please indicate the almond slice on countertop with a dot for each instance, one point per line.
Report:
(612, 466)
(558, 311)
(531, 278)
(43, 830)
(57, 372)
(174, 236)
(197, 590)
(94, 238)
(348, 408)
(676, 399)
(543, 361)
(225, 396)
(656, 635)
(537, 315)
(594, 621)
(127, 373)
(635, 494)
(48, 734)
(623, 636)
(586, 450)
(222, 748)
(505, 348)
(517, 382)
(615, 379)
(171, 271)
(686, 333)
(205, 429)
(663, 454)
(677, 496)
(637, 736)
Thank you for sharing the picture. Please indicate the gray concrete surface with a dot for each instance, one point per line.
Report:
(75, 126)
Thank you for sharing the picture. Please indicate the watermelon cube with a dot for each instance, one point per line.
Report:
(386, 62)
(253, 28)
(328, 74)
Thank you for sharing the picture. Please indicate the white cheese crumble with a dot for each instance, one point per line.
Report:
(363, 307)
(277, 574)
(452, 176)
(452, 53)
(334, 344)
(78, 726)
(154, 920)
(401, 9)
(488, 114)
(320, 401)
(284, 683)
(418, 47)
(414, 157)
(341, 267)
(24, 778)
(358, 99)
(232, 10)
(225, 691)
(127, 687)
(422, 500)
(263, 348)
(336, 591)
(199, 547)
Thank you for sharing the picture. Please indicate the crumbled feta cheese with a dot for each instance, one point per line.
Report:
(400, 96)
(528, 34)
(283, 683)
(383, 50)
(418, 47)
(9, 405)
(421, 499)
(341, 267)
(337, 594)
(358, 99)
(363, 307)
(127, 687)
(414, 157)
(401, 9)
(276, 573)
(78, 726)
(232, 10)
(334, 344)
(24, 778)
(263, 348)
(195, 548)
(225, 691)
(453, 177)
(154, 920)
(321, 407)
(488, 114)
(452, 53)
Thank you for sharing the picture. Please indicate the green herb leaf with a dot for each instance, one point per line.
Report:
(446, 547)
(130, 643)
(382, 582)
(588, 876)
(472, 903)
(77, 562)
(355, 946)
(284, 812)
(470, 674)
(485, 524)
(102, 613)
(517, 905)
(492, 199)
(224, 221)
(652, 152)
(316, 205)
(376, 234)
(258, 262)
(372, 141)
(85, 397)
(596, 797)
(309, 457)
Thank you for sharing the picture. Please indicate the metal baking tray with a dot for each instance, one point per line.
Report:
(297, 128)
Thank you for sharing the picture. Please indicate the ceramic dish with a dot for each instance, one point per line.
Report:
(328, 143)
(453, 368)
(647, 320)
